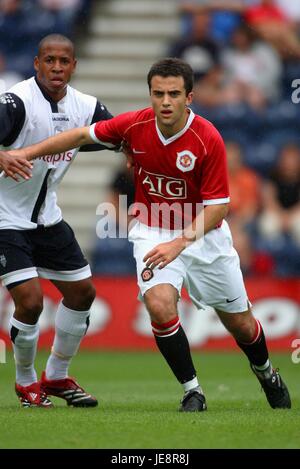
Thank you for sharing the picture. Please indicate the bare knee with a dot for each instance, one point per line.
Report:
(28, 308)
(81, 297)
(243, 329)
(241, 325)
(162, 308)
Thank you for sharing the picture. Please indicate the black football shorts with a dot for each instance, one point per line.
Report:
(47, 252)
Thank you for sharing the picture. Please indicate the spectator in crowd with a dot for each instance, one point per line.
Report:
(24, 23)
(244, 186)
(266, 17)
(291, 10)
(269, 22)
(209, 90)
(198, 49)
(226, 15)
(281, 197)
(16, 29)
(253, 69)
(65, 13)
(278, 227)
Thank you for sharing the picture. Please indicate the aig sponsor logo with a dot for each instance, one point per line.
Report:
(163, 186)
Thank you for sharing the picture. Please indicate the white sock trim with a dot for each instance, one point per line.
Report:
(190, 384)
(22, 326)
(264, 367)
(71, 321)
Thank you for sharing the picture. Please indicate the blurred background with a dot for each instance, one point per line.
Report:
(245, 55)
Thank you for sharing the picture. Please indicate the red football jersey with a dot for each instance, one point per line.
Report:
(176, 176)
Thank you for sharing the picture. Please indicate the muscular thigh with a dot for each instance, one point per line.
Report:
(161, 302)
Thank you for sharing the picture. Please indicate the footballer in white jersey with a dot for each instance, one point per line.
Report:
(35, 241)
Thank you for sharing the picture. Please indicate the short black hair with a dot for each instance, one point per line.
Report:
(173, 67)
(55, 38)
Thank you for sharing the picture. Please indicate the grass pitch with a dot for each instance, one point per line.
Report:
(139, 399)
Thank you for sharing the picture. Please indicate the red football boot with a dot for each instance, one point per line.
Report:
(32, 396)
(69, 390)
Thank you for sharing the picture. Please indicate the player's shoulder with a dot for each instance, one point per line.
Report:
(15, 99)
(205, 128)
(200, 123)
(22, 89)
(140, 116)
(81, 98)
(146, 114)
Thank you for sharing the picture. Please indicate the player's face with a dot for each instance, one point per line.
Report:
(54, 68)
(169, 101)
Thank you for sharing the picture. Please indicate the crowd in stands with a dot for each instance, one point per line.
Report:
(245, 55)
(22, 25)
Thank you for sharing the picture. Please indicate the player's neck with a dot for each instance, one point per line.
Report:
(50, 95)
(169, 131)
(55, 96)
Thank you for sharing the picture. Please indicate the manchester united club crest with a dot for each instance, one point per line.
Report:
(147, 274)
(185, 160)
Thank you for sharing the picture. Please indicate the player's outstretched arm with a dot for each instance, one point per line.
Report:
(58, 143)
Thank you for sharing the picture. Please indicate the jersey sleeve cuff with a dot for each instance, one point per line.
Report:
(97, 140)
(224, 200)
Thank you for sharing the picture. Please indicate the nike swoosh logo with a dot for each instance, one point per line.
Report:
(136, 152)
(231, 301)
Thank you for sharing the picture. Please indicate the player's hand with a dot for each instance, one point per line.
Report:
(164, 253)
(13, 164)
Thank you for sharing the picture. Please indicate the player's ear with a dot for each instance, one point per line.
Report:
(36, 63)
(189, 98)
(74, 65)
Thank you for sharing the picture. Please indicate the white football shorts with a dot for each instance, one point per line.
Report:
(209, 268)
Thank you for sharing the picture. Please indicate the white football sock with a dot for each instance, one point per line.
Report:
(25, 338)
(193, 384)
(70, 327)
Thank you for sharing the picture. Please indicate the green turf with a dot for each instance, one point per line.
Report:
(139, 399)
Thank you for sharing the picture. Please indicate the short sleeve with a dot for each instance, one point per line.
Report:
(12, 117)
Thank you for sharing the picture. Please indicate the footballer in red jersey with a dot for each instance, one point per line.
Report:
(179, 159)
(185, 171)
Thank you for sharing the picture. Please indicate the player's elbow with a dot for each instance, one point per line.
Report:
(83, 136)
(225, 208)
